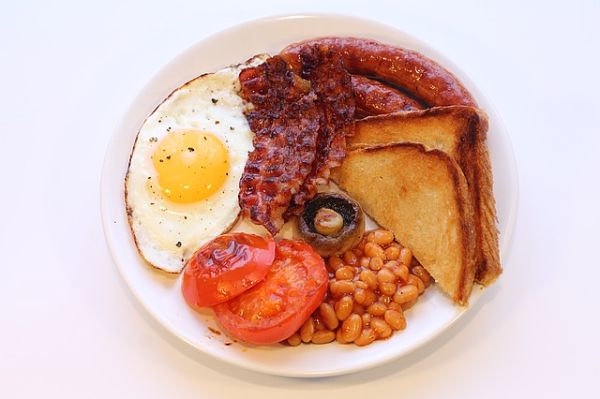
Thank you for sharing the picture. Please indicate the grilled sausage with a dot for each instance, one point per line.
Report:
(375, 98)
(421, 77)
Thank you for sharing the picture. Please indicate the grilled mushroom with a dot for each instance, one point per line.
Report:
(332, 223)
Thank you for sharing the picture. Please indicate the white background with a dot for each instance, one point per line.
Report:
(69, 326)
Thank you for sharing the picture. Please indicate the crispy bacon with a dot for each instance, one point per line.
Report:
(335, 100)
(300, 126)
(285, 120)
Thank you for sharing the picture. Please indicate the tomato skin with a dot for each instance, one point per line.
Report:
(225, 267)
(277, 307)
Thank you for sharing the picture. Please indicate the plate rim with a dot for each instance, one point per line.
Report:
(505, 244)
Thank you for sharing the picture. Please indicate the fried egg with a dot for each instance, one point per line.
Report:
(183, 179)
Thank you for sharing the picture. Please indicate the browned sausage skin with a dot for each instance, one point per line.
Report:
(375, 98)
(420, 76)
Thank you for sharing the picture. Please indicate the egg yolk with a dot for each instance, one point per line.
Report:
(190, 165)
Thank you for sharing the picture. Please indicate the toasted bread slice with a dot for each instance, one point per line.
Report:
(422, 196)
(460, 132)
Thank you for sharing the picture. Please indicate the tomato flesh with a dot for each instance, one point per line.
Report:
(225, 267)
(277, 307)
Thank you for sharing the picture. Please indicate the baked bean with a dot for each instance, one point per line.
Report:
(423, 274)
(343, 308)
(351, 328)
(335, 262)
(366, 337)
(360, 295)
(339, 288)
(364, 297)
(406, 293)
(387, 288)
(364, 261)
(376, 263)
(372, 249)
(414, 280)
(307, 330)
(358, 252)
(366, 319)
(350, 258)
(345, 273)
(358, 308)
(381, 328)
(361, 284)
(339, 337)
(395, 306)
(406, 256)
(328, 316)
(383, 237)
(377, 309)
(385, 275)
(385, 299)
(392, 252)
(323, 337)
(294, 340)
(370, 237)
(401, 272)
(371, 298)
(395, 319)
(369, 278)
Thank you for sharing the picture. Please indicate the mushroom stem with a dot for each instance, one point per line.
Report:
(328, 222)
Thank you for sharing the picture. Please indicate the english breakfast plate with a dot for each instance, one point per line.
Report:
(160, 293)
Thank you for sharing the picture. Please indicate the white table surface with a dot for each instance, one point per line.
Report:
(70, 328)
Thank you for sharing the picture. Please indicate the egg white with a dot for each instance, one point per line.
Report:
(167, 233)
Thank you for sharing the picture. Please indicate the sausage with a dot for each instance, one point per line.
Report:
(418, 75)
(375, 98)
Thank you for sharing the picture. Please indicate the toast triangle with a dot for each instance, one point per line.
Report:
(432, 210)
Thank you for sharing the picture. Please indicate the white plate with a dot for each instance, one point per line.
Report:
(160, 294)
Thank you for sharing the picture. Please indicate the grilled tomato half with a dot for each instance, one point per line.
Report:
(225, 267)
(276, 307)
